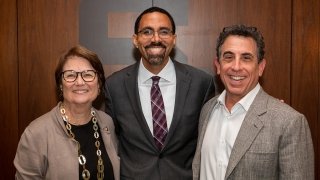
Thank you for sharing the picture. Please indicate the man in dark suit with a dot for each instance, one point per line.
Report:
(244, 133)
(157, 136)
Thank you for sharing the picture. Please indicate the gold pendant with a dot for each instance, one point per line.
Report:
(85, 174)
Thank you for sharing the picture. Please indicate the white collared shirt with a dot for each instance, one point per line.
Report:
(221, 133)
(167, 86)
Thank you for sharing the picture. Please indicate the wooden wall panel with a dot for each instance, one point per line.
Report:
(8, 87)
(207, 18)
(46, 29)
(34, 34)
(305, 86)
(273, 18)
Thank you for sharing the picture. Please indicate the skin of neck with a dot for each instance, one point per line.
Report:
(231, 100)
(78, 114)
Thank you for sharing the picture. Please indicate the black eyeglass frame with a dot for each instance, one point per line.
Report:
(151, 35)
(77, 73)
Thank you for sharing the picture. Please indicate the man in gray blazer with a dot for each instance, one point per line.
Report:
(184, 91)
(244, 133)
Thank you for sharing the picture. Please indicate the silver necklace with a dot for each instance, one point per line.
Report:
(81, 158)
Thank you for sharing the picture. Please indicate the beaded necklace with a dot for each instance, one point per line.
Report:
(81, 157)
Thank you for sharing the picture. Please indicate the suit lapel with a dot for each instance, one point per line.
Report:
(250, 128)
(203, 123)
(131, 86)
(182, 89)
(205, 114)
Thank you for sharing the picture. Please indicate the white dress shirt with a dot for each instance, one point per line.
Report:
(221, 133)
(167, 86)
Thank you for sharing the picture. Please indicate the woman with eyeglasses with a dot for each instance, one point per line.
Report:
(74, 140)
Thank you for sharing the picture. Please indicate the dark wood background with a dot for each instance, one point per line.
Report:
(33, 34)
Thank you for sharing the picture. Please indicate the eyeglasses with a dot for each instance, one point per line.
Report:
(149, 33)
(71, 76)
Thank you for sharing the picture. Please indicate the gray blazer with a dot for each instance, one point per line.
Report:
(274, 142)
(140, 158)
(46, 152)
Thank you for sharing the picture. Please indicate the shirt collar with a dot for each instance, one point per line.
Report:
(167, 73)
(246, 101)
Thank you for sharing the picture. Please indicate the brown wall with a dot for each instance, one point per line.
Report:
(34, 33)
(305, 67)
(45, 30)
(8, 86)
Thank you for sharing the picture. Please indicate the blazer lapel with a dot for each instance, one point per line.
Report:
(250, 128)
(131, 85)
(182, 89)
(203, 123)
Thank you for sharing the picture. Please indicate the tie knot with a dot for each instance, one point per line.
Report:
(155, 79)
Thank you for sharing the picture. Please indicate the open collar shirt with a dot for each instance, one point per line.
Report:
(222, 130)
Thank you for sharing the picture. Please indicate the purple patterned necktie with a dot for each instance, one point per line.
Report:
(159, 120)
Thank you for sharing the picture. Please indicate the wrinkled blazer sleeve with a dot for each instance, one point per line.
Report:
(296, 154)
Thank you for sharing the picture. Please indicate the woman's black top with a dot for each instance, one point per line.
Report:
(84, 135)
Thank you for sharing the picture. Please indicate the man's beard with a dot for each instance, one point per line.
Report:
(155, 59)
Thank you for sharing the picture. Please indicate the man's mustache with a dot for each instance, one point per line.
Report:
(155, 44)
